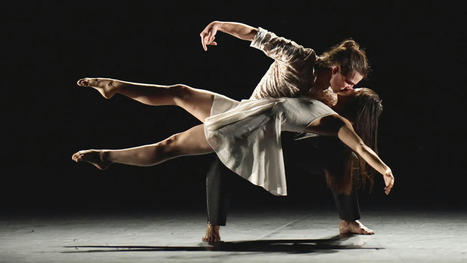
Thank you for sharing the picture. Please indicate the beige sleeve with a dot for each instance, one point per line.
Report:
(280, 48)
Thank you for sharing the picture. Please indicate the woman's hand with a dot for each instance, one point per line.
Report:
(208, 35)
(388, 181)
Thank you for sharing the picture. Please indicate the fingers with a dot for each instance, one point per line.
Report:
(208, 35)
(387, 190)
(205, 39)
(388, 180)
(389, 186)
(203, 43)
(83, 82)
(212, 36)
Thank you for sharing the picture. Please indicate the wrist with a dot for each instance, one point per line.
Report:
(219, 25)
(387, 171)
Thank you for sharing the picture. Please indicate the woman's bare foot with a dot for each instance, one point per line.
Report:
(94, 157)
(354, 227)
(212, 234)
(106, 87)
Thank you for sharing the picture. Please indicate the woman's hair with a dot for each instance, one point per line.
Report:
(348, 55)
(363, 109)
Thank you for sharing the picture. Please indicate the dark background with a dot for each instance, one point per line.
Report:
(417, 51)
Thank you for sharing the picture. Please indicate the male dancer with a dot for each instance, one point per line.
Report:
(296, 71)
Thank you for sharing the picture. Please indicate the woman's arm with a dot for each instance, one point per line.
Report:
(239, 30)
(345, 132)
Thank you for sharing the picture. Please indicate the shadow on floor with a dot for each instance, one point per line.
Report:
(326, 245)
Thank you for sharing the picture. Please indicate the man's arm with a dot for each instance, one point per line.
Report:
(239, 30)
(275, 47)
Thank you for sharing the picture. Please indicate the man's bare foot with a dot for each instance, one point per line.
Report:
(354, 227)
(106, 87)
(94, 157)
(212, 234)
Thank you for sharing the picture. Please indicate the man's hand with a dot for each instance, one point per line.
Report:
(208, 35)
(238, 30)
(388, 181)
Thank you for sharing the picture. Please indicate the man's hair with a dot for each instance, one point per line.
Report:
(348, 55)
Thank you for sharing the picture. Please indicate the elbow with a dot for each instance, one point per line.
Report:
(250, 35)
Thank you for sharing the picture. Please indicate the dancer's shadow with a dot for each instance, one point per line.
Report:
(326, 245)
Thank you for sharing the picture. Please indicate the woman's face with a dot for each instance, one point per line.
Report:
(344, 99)
(342, 84)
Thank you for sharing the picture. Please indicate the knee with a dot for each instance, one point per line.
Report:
(180, 91)
(169, 147)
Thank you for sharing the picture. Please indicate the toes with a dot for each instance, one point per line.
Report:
(83, 82)
(211, 239)
(76, 157)
(366, 231)
(87, 82)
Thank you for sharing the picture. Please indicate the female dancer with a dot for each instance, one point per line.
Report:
(245, 135)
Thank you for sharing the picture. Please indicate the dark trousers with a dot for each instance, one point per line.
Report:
(315, 154)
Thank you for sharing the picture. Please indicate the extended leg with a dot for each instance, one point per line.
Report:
(190, 142)
(197, 102)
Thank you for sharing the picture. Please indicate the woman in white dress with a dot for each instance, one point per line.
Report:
(245, 135)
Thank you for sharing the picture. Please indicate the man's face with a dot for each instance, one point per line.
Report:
(341, 84)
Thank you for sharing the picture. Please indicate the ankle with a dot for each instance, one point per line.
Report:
(104, 156)
(213, 228)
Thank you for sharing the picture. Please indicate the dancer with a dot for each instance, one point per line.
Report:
(295, 71)
(245, 135)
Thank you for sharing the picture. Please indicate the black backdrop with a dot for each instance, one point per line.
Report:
(417, 51)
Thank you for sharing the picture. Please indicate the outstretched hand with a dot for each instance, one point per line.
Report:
(388, 181)
(208, 35)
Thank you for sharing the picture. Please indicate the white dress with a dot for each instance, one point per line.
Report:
(246, 135)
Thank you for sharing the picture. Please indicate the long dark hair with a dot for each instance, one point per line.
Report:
(363, 109)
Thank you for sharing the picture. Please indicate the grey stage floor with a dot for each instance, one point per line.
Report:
(268, 235)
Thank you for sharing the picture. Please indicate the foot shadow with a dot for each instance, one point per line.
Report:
(325, 245)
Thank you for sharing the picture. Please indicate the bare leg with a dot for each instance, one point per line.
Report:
(189, 142)
(354, 227)
(196, 101)
(212, 234)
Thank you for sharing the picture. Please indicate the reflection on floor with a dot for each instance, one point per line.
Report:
(287, 235)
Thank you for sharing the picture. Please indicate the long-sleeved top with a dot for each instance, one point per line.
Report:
(293, 72)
